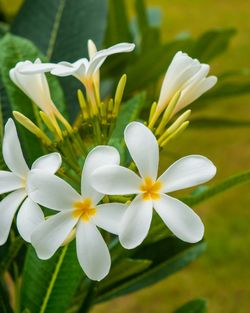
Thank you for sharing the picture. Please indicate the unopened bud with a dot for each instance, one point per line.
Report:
(33, 128)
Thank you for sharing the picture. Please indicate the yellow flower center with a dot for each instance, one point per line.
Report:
(150, 189)
(84, 209)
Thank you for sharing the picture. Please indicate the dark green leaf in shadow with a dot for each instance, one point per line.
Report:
(4, 298)
(10, 253)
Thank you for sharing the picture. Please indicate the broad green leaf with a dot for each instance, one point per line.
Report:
(168, 256)
(12, 50)
(48, 286)
(219, 123)
(194, 306)
(212, 191)
(130, 111)
(61, 29)
(212, 43)
(47, 25)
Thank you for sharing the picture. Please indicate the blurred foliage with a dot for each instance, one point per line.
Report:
(60, 33)
(9, 9)
(194, 306)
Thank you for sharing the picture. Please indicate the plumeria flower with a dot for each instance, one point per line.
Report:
(151, 191)
(15, 181)
(35, 86)
(83, 69)
(185, 75)
(80, 212)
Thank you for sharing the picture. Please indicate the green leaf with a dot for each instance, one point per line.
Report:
(212, 191)
(61, 29)
(4, 298)
(122, 270)
(10, 254)
(130, 111)
(219, 123)
(148, 35)
(194, 306)
(118, 23)
(145, 70)
(228, 89)
(12, 50)
(48, 286)
(168, 256)
(212, 43)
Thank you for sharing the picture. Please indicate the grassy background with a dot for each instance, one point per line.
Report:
(222, 274)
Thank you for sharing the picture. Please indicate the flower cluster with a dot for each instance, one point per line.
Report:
(81, 212)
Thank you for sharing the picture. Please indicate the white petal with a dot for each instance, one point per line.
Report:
(9, 182)
(143, 148)
(101, 55)
(202, 73)
(91, 49)
(35, 86)
(92, 251)
(8, 208)
(109, 216)
(115, 180)
(181, 69)
(194, 91)
(12, 151)
(180, 219)
(36, 68)
(50, 234)
(29, 216)
(189, 171)
(63, 70)
(51, 191)
(136, 223)
(48, 163)
(99, 156)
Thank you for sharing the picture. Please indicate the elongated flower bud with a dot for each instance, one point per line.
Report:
(187, 76)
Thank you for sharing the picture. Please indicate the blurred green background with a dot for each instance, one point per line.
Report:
(222, 274)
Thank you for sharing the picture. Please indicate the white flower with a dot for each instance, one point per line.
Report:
(150, 190)
(35, 86)
(188, 76)
(78, 211)
(16, 181)
(82, 69)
